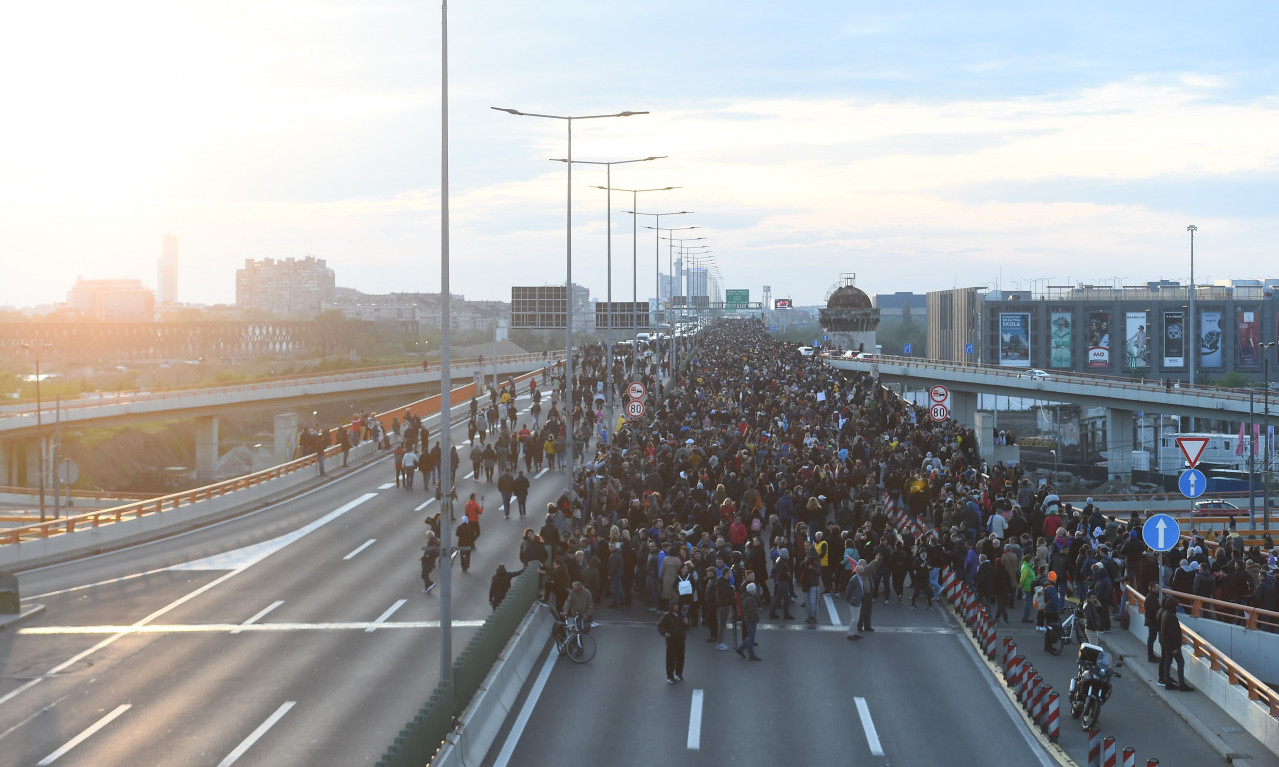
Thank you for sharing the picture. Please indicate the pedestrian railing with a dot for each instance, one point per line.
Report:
(1217, 660)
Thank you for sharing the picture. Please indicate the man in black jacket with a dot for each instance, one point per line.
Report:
(1170, 647)
(1152, 622)
(674, 626)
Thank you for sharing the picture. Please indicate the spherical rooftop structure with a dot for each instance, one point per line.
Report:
(848, 297)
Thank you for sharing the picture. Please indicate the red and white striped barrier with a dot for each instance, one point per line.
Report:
(992, 638)
(1014, 673)
(1053, 724)
(1094, 748)
(1037, 714)
(1023, 694)
(1032, 692)
(1010, 652)
(1130, 757)
(1108, 752)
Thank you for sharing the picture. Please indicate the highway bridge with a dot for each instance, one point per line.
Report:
(19, 422)
(1121, 397)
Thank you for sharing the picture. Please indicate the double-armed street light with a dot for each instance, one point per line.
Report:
(608, 187)
(568, 283)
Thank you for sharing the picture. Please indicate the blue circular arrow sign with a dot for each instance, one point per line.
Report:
(1161, 532)
(1193, 483)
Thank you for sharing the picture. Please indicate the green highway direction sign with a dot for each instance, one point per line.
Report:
(736, 299)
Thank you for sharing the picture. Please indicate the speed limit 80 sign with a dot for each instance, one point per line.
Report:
(635, 408)
(939, 412)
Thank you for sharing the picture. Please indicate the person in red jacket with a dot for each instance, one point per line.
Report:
(473, 512)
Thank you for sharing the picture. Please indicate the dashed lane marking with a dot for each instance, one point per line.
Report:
(868, 725)
(82, 737)
(359, 548)
(695, 722)
(233, 628)
(259, 616)
(257, 734)
(386, 615)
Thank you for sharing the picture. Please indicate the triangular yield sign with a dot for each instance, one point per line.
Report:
(1192, 448)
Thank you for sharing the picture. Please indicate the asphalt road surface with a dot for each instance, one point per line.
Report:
(295, 635)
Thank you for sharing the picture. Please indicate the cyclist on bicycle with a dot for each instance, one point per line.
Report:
(580, 605)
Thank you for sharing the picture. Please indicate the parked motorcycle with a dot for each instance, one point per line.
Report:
(1091, 686)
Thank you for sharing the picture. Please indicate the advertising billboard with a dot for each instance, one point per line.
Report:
(1249, 338)
(1014, 339)
(1210, 339)
(1098, 339)
(781, 303)
(1136, 341)
(1061, 340)
(1174, 340)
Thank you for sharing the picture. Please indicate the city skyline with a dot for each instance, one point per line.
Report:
(921, 149)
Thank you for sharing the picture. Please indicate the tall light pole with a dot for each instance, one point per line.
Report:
(657, 253)
(679, 282)
(568, 324)
(446, 436)
(1265, 460)
(670, 269)
(35, 350)
(1193, 348)
(608, 187)
(635, 271)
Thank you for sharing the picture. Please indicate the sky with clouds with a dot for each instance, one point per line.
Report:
(921, 146)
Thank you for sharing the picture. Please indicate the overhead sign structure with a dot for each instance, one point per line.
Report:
(938, 393)
(1192, 448)
(736, 299)
(1161, 532)
(635, 408)
(1193, 483)
(636, 390)
(939, 412)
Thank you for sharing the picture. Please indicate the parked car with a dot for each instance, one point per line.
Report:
(1216, 507)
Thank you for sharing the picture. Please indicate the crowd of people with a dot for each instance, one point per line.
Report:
(763, 479)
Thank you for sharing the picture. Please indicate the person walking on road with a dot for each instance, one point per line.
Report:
(1170, 648)
(501, 584)
(855, 594)
(866, 570)
(430, 554)
(674, 626)
(473, 512)
(750, 620)
(466, 542)
(506, 486)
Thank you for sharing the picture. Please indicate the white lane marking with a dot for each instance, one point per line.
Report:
(82, 587)
(872, 737)
(526, 712)
(384, 616)
(834, 615)
(248, 742)
(247, 556)
(428, 502)
(77, 740)
(266, 549)
(1013, 713)
(540, 473)
(212, 628)
(469, 475)
(359, 548)
(695, 722)
(386, 486)
(260, 615)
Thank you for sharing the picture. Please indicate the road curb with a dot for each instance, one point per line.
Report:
(1056, 752)
(1203, 731)
(29, 611)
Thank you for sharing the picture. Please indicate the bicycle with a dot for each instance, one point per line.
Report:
(571, 640)
(1068, 630)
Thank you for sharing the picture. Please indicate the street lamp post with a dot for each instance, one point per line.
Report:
(608, 187)
(635, 269)
(670, 268)
(1265, 458)
(1193, 346)
(568, 324)
(35, 350)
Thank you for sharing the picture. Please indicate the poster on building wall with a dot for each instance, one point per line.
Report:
(1249, 338)
(1210, 339)
(1061, 340)
(1136, 341)
(1174, 340)
(1014, 339)
(1098, 339)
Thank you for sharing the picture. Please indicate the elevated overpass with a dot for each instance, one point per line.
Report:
(18, 422)
(1121, 397)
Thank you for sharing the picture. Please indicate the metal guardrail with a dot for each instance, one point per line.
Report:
(1217, 660)
(266, 384)
(92, 495)
(1066, 376)
(424, 407)
(1252, 616)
